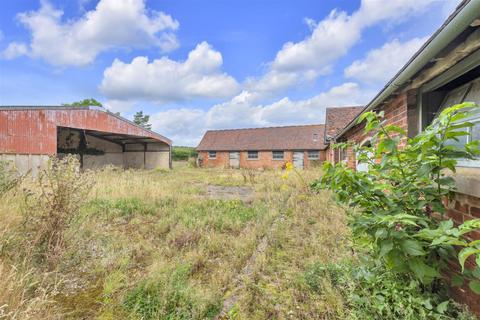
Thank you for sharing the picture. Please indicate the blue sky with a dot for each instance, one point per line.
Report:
(198, 65)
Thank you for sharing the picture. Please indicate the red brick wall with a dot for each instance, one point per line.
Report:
(395, 113)
(264, 160)
(463, 208)
(221, 160)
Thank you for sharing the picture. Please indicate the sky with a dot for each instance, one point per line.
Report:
(199, 65)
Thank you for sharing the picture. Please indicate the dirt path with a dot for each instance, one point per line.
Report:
(245, 194)
(239, 281)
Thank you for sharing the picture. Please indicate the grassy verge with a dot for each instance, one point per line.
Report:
(155, 245)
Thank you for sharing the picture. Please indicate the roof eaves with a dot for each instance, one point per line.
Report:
(455, 25)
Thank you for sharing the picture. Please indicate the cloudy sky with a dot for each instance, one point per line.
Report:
(196, 65)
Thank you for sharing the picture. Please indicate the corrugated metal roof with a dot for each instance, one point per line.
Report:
(33, 129)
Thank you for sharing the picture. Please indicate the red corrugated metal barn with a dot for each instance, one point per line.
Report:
(29, 135)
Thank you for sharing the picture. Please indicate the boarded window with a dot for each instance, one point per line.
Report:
(252, 155)
(277, 155)
(313, 154)
(212, 154)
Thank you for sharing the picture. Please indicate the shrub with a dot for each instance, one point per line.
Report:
(183, 153)
(402, 190)
(62, 189)
(372, 292)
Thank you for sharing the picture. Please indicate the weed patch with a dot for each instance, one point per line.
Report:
(124, 207)
(62, 190)
(169, 298)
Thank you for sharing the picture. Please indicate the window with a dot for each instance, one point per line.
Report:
(366, 157)
(342, 154)
(460, 83)
(252, 155)
(468, 92)
(313, 154)
(315, 137)
(277, 155)
(212, 154)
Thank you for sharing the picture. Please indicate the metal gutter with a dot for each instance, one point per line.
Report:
(457, 22)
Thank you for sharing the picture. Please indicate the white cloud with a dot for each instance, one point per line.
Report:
(381, 64)
(331, 38)
(165, 80)
(119, 105)
(112, 24)
(186, 126)
(14, 50)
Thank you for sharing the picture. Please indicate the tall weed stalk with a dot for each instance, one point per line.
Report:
(60, 192)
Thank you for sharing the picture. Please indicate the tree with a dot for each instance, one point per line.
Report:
(142, 120)
(84, 103)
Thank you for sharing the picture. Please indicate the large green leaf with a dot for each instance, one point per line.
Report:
(442, 307)
(385, 247)
(424, 273)
(475, 286)
(412, 247)
(457, 280)
(465, 253)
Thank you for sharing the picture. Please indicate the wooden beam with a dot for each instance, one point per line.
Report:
(465, 48)
(105, 139)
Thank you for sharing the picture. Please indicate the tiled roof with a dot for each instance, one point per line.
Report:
(337, 118)
(308, 137)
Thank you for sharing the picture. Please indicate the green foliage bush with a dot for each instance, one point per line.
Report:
(398, 201)
(183, 153)
(373, 292)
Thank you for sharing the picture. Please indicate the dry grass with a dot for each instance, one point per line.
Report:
(153, 245)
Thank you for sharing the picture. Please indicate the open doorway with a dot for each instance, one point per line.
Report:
(96, 149)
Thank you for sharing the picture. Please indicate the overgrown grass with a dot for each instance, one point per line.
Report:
(154, 245)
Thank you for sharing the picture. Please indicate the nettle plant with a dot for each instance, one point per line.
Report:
(398, 201)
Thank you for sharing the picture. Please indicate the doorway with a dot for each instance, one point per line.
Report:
(234, 159)
(298, 159)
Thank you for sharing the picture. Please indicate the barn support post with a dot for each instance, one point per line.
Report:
(144, 155)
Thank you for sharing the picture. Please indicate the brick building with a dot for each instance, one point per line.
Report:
(445, 71)
(258, 148)
(336, 118)
(30, 134)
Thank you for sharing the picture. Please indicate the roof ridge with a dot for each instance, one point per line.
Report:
(273, 127)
